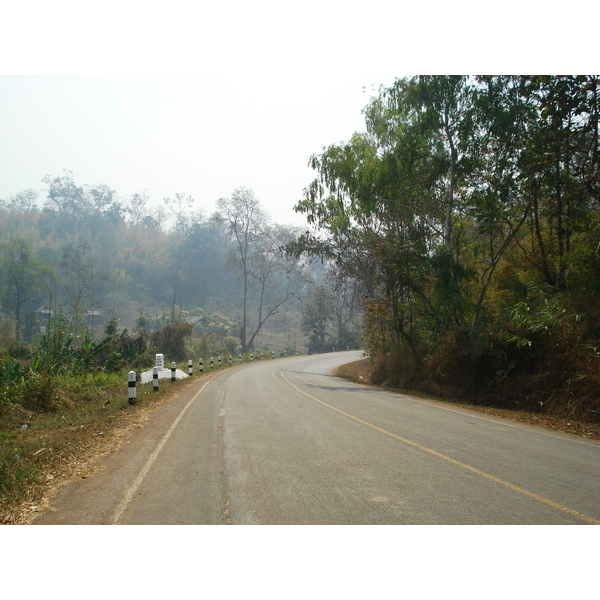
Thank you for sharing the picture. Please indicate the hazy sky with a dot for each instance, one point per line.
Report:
(169, 97)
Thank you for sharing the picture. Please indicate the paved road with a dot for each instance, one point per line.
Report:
(284, 442)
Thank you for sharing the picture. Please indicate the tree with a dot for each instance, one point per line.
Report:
(77, 265)
(180, 207)
(25, 201)
(269, 276)
(137, 209)
(24, 276)
(373, 196)
(245, 222)
(561, 161)
(64, 196)
(275, 277)
(317, 317)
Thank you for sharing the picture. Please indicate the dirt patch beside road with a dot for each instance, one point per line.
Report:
(360, 372)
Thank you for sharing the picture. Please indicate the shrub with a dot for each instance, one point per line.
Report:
(171, 339)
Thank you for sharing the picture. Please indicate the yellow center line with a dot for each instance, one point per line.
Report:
(515, 488)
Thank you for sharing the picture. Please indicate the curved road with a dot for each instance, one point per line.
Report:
(284, 442)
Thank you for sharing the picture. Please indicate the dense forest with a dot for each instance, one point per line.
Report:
(468, 213)
(82, 255)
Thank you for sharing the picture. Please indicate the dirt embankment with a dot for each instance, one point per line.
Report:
(361, 371)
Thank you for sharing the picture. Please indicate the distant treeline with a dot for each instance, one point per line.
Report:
(86, 253)
(84, 249)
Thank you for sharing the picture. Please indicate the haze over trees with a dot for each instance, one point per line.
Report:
(258, 256)
(468, 214)
(98, 258)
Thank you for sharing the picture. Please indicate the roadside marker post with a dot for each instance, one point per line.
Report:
(190, 368)
(230, 360)
(131, 386)
(201, 365)
(155, 379)
(219, 362)
(173, 369)
(272, 354)
(212, 362)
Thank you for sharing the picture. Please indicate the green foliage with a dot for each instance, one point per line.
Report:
(54, 352)
(39, 394)
(541, 317)
(317, 317)
(171, 340)
(464, 194)
(24, 277)
(49, 421)
(11, 371)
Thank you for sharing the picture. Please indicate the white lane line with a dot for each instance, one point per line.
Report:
(142, 474)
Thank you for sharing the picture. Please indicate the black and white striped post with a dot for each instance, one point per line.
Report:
(240, 358)
(200, 365)
(173, 369)
(219, 362)
(230, 360)
(212, 362)
(251, 356)
(190, 368)
(131, 386)
(155, 379)
(272, 354)
(262, 356)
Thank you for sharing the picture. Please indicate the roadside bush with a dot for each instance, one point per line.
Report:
(171, 340)
(11, 371)
(397, 368)
(39, 394)
(54, 351)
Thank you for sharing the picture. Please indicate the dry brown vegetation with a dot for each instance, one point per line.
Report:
(42, 450)
(365, 371)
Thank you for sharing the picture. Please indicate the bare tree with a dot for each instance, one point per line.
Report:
(267, 274)
(25, 201)
(276, 278)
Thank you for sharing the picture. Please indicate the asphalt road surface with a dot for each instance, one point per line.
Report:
(284, 442)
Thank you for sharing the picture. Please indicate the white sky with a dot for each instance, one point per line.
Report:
(202, 98)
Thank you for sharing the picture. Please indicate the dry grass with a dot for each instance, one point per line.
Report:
(41, 451)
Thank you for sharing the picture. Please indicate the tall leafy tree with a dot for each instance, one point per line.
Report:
(317, 318)
(562, 165)
(24, 277)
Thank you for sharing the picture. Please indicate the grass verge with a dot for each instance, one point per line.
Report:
(61, 430)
